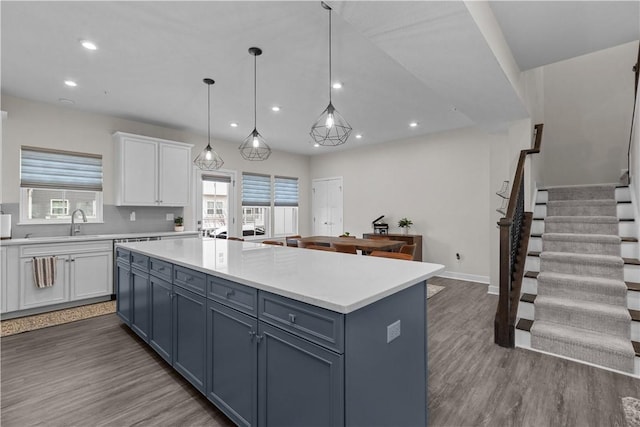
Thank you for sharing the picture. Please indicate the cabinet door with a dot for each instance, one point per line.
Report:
(189, 324)
(123, 291)
(139, 169)
(140, 303)
(300, 383)
(174, 175)
(3, 280)
(161, 330)
(91, 275)
(32, 296)
(232, 363)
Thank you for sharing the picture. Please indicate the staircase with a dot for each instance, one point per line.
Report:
(580, 295)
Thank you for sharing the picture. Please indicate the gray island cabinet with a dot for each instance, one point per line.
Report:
(269, 356)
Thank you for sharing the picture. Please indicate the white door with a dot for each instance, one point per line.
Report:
(91, 275)
(327, 207)
(215, 201)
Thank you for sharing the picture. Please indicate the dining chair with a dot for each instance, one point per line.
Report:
(408, 249)
(240, 239)
(292, 240)
(395, 255)
(344, 248)
(321, 248)
(272, 242)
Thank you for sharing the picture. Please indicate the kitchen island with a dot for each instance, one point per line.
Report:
(279, 336)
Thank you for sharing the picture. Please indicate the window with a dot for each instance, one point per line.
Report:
(285, 213)
(55, 183)
(256, 204)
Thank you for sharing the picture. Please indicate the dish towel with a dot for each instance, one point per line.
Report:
(44, 271)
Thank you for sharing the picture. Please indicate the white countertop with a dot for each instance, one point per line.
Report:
(90, 237)
(335, 281)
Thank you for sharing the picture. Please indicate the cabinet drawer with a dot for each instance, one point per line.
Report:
(123, 255)
(140, 261)
(240, 297)
(321, 326)
(161, 269)
(189, 279)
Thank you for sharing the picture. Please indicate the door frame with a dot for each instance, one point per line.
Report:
(197, 198)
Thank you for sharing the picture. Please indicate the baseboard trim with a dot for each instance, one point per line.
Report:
(493, 290)
(466, 277)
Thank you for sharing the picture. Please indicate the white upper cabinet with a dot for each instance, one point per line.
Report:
(151, 171)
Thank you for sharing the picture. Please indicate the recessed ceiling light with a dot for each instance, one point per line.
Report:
(275, 108)
(233, 124)
(337, 85)
(358, 135)
(70, 83)
(316, 145)
(66, 101)
(88, 45)
(413, 124)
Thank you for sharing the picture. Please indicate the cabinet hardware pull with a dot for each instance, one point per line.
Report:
(292, 318)
(230, 293)
(190, 279)
(161, 269)
(259, 338)
(252, 335)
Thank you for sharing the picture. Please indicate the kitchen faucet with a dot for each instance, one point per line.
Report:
(75, 229)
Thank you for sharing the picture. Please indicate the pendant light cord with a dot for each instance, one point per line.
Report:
(255, 102)
(329, 56)
(209, 116)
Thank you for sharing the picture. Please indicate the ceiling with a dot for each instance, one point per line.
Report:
(398, 61)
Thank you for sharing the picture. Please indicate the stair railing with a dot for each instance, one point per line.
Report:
(514, 238)
(636, 70)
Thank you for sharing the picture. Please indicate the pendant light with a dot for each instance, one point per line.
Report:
(208, 159)
(254, 146)
(331, 128)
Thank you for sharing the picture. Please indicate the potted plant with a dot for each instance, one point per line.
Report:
(178, 224)
(405, 224)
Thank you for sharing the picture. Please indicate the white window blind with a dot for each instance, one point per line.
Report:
(216, 178)
(62, 170)
(256, 190)
(286, 191)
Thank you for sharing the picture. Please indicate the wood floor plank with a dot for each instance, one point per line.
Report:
(96, 372)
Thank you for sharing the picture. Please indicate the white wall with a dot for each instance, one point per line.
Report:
(441, 182)
(587, 115)
(50, 126)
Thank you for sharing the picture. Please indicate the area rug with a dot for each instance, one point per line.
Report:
(38, 321)
(433, 289)
(631, 408)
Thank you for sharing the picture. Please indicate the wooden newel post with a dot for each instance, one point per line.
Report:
(504, 332)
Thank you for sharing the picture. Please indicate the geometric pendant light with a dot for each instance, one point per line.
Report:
(330, 129)
(254, 147)
(208, 159)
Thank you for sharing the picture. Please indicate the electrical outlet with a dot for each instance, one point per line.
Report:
(393, 331)
(132, 216)
(169, 217)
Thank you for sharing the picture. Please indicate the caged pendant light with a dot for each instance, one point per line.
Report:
(331, 128)
(208, 159)
(254, 147)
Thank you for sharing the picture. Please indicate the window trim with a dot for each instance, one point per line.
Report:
(24, 210)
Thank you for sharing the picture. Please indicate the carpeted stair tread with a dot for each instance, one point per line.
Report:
(600, 219)
(592, 316)
(631, 286)
(587, 288)
(594, 347)
(604, 244)
(582, 208)
(582, 224)
(581, 192)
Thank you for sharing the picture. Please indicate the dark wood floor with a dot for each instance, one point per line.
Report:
(95, 372)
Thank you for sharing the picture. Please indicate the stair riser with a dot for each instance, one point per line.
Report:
(526, 310)
(627, 249)
(633, 300)
(623, 210)
(622, 194)
(632, 273)
(635, 331)
(583, 319)
(530, 286)
(581, 193)
(581, 228)
(581, 247)
(584, 293)
(593, 355)
(584, 210)
(625, 229)
(582, 269)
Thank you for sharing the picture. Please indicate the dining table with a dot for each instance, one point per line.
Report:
(365, 245)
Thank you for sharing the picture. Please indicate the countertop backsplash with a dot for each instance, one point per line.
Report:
(149, 219)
